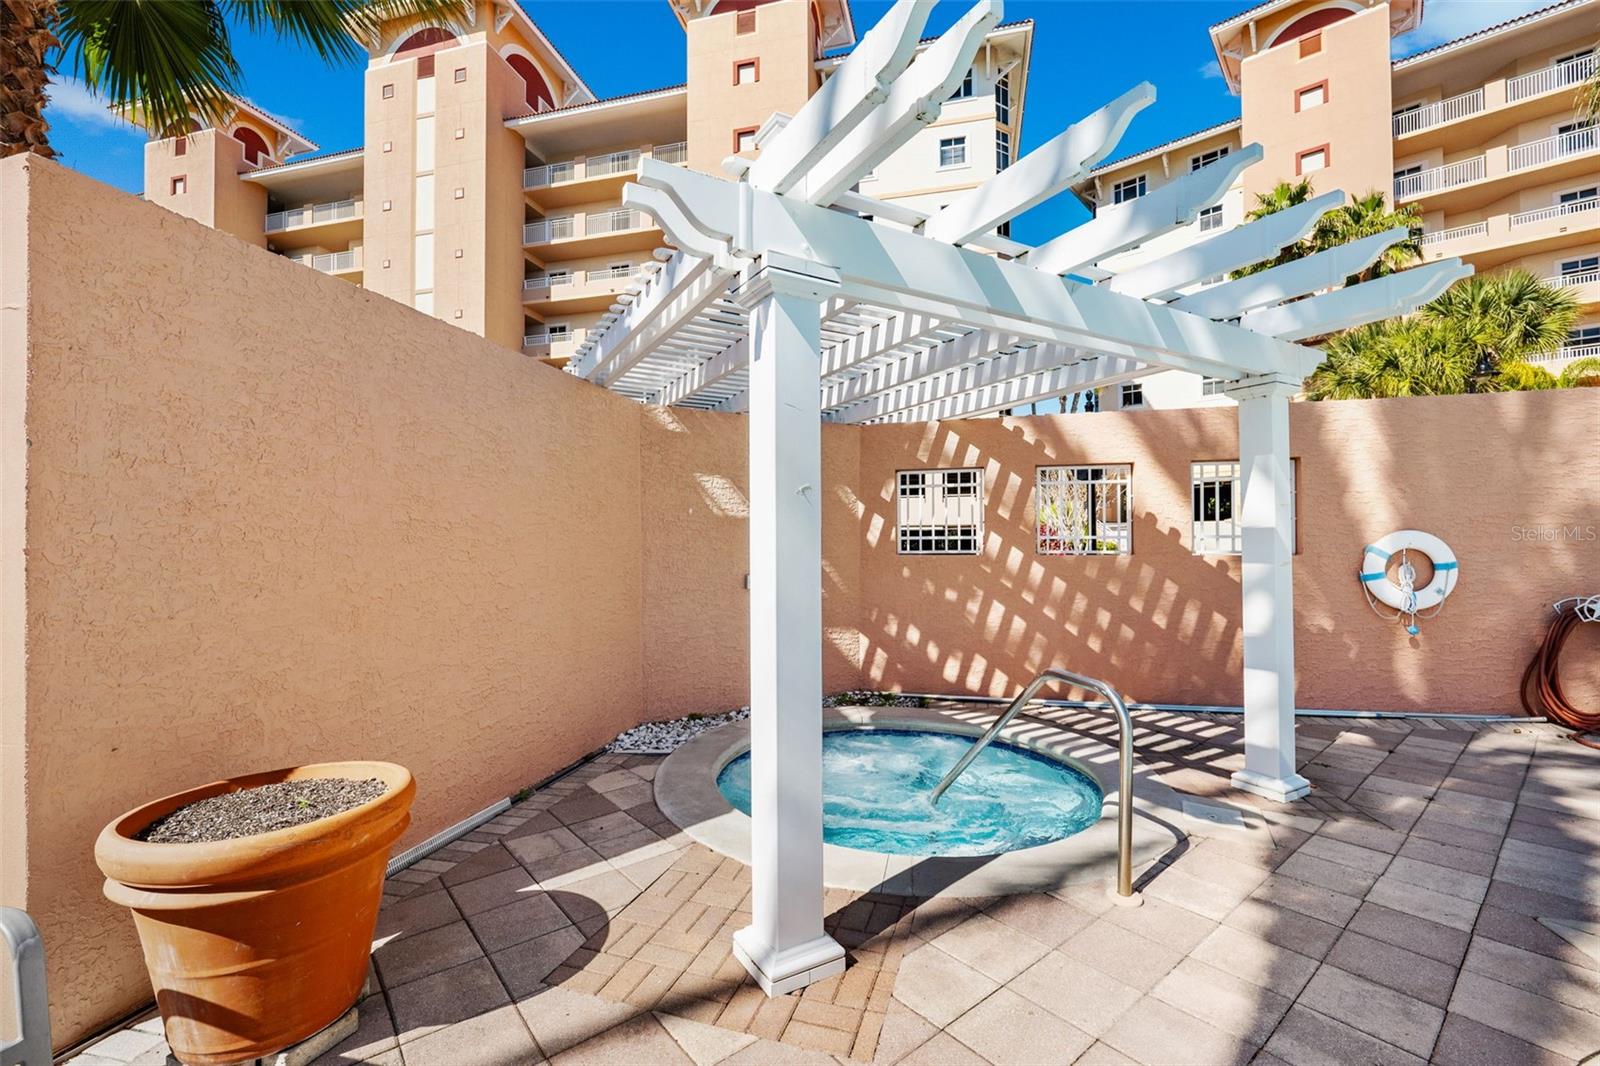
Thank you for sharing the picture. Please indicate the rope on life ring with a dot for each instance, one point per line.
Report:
(1402, 596)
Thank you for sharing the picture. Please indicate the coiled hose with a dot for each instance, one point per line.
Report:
(1541, 682)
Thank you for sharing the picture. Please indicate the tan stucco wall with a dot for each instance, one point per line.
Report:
(233, 538)
(1354, 123)
(257, 537)
(1163, 624)
(214, 195)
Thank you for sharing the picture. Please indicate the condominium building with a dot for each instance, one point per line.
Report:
(1483, 135)
(487, 189)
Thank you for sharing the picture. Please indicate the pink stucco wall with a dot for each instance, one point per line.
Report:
(251, 515)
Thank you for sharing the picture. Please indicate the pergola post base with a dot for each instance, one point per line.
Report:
(1277, 789)
(780, 972)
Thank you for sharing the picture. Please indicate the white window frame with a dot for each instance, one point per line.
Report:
(1083, 510)
(1205, 159)
(1210, 218)
(1130, 395)
(939, 512)
(1584, 264)
(743, 65)
(1002, 150)
(1301, 161)
(965, 90)
(1129, 189)
(949, 147)
(1213, 386)
(1225, 535)
(1002, 100)
(1300, 95)
(740, 144)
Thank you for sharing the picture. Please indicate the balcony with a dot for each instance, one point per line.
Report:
(345, 264)
(586, 180)
(568, 292)
(1458, 233)
(1583, 285)
(544, 344)
(315, 225)
(1558, 360)
(593, 233)
(1480, 114)
(1476, 181)
(1499, 239)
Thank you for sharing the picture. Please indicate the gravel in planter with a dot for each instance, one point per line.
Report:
(261, 810)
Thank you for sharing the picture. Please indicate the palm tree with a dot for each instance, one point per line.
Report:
(1508, 317)
(1365, 216)
(168, 59)
(1368, 216)
(1477, 337)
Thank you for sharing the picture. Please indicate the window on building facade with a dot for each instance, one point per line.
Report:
(745, 21)
(744, 140)
(952, 151)
(1576, 137)
(1217, 494)
(1578, 200)
(939, 512)
(388, 92)
(1211, 386)
(180, 185)
(1573, 67)
(461, 74)
(1129, 189)
(559, 331)
(1002, 100)
(1002, 150)
(1205, 159)
(1406, 172)
(1311, 160)
(1211, 218)
(1084, 510)
(965, 89)
(180, 146)
(746, 72)
(1310, 44)
(1311, 96)
(1132, 394)
(1584, 337)
(1577, 268)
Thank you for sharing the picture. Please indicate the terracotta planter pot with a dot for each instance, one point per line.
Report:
(254, 944)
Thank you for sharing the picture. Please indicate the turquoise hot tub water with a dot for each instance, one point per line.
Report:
(876, 783)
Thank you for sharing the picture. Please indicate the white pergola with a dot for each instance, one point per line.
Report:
(798, 300)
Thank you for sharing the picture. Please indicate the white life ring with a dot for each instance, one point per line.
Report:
(1375, 576)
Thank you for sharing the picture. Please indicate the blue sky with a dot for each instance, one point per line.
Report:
(1085, 53)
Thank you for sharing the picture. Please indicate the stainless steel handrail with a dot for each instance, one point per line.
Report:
(1124, 758)
(31, 1003)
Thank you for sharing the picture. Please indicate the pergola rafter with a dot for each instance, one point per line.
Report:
(783, 301)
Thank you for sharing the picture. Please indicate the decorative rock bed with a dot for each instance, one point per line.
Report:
(664, 738)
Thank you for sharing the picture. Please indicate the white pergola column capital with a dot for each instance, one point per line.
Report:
(1261, 386)
(786, 275)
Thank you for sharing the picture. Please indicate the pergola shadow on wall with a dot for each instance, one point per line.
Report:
(796, 299)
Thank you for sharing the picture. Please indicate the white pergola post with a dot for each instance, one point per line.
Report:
(784, 947)
(1267, 517)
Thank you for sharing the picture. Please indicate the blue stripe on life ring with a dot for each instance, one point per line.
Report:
(1379, 552)
(1445, 566)
(1379, 576)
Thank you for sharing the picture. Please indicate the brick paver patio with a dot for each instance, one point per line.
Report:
(1435, 900)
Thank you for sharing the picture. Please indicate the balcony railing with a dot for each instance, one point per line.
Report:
(1581, 277)
(545, 282)
(541, 338)
(601, 222)
(1475, 229)
(314, 214)
(615, 273)
(599, 166)
(1567, 353)
(550, 229)
(1538, 153)
(1433, 114)
(1563, 75)
(1571, 207)
(331, 262)
(623, 218)
(1439, 178)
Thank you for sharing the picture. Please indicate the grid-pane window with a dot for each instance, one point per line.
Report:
(939, 512)
(965, 89)
(1002, 101)
(1131, 189)
(1211, 218)
(1002, 150)
(952, 151)
(1218, 496)
(1205, 159)
(1211, 386)
(1133, 394)
(1084, 510)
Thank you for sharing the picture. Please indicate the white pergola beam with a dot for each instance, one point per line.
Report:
(971, 346)
(1387, 297)
(914, 101)
(861, 83)
(1244, 245)
(992, 396)
(714, 371)
(1325, 270)
(1042, 173)
(1177, 203)
(906, 271)
(897, 331)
